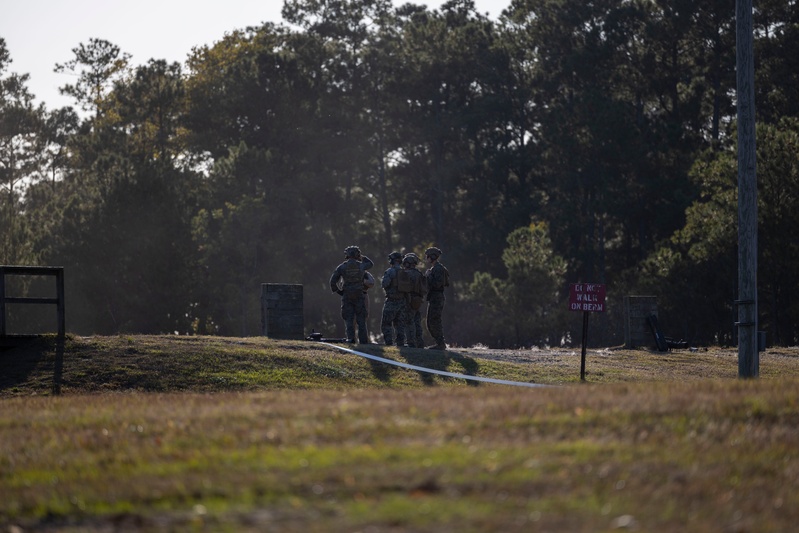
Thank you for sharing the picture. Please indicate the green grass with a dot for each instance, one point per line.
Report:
(210, 434)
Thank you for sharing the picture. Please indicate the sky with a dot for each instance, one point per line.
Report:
(41, 33)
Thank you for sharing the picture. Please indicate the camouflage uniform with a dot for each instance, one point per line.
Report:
(413, 319)
(437, 279)
(368, 283)
(353, 301)
(415, 332)
(393, 319)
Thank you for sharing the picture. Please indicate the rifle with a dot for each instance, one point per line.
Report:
(315, 336)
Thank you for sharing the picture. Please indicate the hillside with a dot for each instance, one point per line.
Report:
(213, 364)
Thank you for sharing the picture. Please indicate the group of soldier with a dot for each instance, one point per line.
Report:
(406, 288)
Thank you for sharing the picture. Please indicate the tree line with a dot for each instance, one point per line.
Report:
(565, 142)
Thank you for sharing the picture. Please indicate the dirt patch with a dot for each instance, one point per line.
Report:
(619, 364)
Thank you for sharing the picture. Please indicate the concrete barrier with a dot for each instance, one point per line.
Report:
(282, 311)
(637, 332)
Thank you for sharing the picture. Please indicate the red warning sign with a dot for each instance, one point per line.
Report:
(587, 297)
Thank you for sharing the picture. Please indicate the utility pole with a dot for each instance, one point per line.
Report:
(748, 357)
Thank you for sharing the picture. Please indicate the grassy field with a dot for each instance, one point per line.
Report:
(166, 433)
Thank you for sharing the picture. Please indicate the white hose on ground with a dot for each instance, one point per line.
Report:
(438, 372)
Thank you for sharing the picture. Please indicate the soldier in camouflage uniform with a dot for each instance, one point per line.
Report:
(437, 279)
(414, 300)
(353, 301)
(393, 321)
(368, 283)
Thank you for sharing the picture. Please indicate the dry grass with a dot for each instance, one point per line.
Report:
(214, 364)
(652, 442)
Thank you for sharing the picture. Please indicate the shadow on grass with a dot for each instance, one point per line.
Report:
(58, 365)
(380, 370)
(24, 358)
(440, 360)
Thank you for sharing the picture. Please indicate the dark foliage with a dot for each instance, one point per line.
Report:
(183, 188)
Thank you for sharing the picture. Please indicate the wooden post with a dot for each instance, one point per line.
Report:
(2, 302)
(60, 305)
(585, 344)
(748, 357)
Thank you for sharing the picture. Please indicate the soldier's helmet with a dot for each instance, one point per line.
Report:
(352, 251)
(410, 259)
(433, 252)
(394, 256)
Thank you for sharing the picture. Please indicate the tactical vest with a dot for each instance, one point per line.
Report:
(437, 278)
(404, 281)
(353, 276)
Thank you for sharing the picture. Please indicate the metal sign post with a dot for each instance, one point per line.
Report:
(588, 298)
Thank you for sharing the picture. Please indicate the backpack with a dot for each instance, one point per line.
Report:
(418, 288)
(404, 281)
